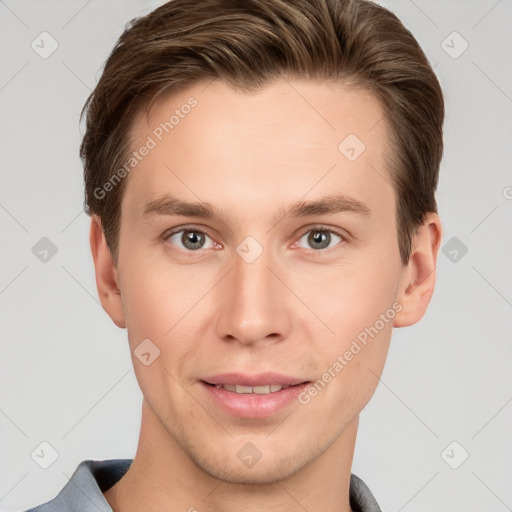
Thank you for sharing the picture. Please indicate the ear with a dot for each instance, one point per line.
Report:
(106, 274)
(419, 276)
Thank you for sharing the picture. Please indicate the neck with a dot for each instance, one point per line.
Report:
(163, 477)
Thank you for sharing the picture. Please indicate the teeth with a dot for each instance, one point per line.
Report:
(261, 390)
(257, 390)
(243, 389)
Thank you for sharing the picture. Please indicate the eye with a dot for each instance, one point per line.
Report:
(321, 238)
(190, 239)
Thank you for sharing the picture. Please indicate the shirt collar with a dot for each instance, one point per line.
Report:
(92, 477)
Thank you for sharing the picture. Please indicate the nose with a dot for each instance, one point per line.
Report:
(254, 304)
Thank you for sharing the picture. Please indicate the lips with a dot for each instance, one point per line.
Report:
(252, 396)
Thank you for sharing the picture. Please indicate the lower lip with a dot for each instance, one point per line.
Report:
(252, 405)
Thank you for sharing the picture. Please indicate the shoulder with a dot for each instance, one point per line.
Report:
(83, 492)
(361, 498)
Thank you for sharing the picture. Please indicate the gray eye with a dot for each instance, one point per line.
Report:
(320, 238)
(190, 239)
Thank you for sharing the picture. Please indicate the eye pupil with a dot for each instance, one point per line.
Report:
(320, 237)
(192, 240)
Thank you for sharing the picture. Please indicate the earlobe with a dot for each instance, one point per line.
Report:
(106, 274)
(418, 278)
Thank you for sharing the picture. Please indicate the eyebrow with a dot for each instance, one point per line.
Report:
(329, 205)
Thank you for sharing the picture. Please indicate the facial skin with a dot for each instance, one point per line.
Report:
(293, 310)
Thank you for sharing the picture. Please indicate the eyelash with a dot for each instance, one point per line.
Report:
(314, 252)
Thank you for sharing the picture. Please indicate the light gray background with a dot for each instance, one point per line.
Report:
(66, 375)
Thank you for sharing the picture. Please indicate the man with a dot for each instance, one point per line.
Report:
(261, 181)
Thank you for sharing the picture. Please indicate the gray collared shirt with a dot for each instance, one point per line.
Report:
(83, 492)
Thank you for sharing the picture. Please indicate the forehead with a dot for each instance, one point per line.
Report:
(291, 139)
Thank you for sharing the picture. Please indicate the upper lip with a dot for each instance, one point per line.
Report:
(260, 379)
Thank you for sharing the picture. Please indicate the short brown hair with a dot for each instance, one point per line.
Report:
(247, 43)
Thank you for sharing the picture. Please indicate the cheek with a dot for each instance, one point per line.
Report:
(352, 366)
(353, 297)
(356, 302)
(156, 295)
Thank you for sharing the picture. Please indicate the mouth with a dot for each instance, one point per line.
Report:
(252, 396)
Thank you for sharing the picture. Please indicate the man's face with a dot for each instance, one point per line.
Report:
(259, 290)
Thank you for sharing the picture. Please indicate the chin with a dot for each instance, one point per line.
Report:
(264, 474)
(274, 468)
